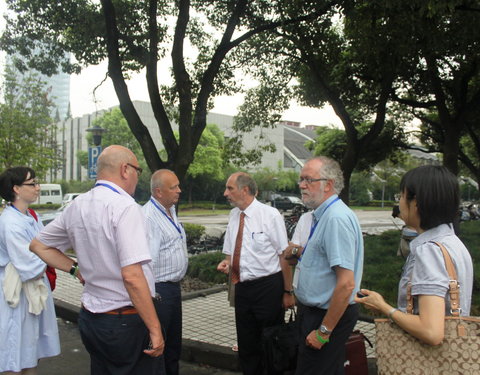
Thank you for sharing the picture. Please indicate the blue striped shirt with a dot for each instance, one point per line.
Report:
(168, 247)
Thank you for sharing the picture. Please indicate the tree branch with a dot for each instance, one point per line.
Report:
(164, 125)
(135, 124)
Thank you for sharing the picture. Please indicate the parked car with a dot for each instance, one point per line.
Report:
(67, 198)
(287, 203)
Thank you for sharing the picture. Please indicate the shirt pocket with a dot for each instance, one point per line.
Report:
(260, 241)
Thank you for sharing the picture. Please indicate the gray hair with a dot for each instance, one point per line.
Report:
(156, 180)
(330, 169)
(244, 179)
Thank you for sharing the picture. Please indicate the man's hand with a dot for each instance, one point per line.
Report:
(292, 253)
(157, 344)
(312, 342)
(288, 301)
(224, 266)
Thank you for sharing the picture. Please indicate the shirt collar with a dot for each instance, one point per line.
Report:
(320, 210)
(432, 235)
(249, 211)
(114, 185)
(172, 209)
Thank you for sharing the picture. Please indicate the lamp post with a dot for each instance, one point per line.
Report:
(97, 133)
(94, 151)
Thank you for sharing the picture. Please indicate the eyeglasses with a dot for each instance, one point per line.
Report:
(34, 183)
(138, 169)
(309, 180)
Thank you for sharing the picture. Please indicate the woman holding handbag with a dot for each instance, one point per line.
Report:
(28, 326)
(429, 202)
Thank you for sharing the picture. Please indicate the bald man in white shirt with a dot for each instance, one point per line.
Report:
(168, 247)
(118, 321)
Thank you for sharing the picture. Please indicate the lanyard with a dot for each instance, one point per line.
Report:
(177, 227)
(312, 230)
(107, 186)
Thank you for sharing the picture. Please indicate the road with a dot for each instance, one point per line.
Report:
(372, 222)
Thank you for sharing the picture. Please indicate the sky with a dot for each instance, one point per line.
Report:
(84, 101)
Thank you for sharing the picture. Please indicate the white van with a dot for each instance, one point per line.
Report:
(50, 193)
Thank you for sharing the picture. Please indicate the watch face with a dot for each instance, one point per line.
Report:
(324, 330)
(295, 251)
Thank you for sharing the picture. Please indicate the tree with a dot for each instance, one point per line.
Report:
(26, 128)
(324, 57)
(439, 66)
(134, 35)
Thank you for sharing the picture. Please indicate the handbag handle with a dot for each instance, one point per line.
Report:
(453, 287)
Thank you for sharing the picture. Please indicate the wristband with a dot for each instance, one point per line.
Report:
(391, 312)
(288, 292)
(321, 339)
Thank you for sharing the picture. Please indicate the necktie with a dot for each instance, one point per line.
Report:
(236, 252)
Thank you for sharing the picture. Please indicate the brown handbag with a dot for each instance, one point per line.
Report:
(400, 353)
(356, 354)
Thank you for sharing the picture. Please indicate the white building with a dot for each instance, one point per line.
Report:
(289, 141)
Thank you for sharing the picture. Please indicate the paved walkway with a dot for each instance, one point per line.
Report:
(207, 319)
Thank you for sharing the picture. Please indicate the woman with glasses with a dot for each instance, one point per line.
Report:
(28, 327)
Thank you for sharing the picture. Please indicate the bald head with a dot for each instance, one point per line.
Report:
(114, 164)
(165, 187)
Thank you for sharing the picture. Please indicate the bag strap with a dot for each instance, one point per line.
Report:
(453, 287)
(33, 213)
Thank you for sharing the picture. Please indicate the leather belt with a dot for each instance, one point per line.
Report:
(127, 310)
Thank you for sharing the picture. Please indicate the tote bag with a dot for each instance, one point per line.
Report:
(398, 352)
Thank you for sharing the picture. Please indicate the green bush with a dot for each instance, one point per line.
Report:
(43, 207)
(204, 205)
(194, 232)
(204, 267)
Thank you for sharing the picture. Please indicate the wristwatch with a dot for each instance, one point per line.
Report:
(295, 252)
(324, 330)
(288, 292)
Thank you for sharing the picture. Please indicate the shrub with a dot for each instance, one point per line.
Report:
(194, 232)
(204, 267)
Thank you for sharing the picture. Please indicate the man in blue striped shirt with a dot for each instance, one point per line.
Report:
(168, 248)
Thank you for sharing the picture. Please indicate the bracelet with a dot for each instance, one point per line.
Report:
(288, 292)
(391, 312)
(321, 339)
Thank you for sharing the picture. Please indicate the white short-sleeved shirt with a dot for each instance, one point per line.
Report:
(302, 229)
(106, 228)
(168, 243)
(264, 239)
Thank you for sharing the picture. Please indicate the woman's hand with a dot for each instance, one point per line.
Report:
(371, 300)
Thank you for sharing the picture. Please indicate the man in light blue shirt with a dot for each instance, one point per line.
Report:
(168, 248)
(328, 272)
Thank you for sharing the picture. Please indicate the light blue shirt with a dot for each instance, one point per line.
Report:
(336, 241)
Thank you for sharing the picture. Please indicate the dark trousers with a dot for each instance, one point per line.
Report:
(170, 316)
(330, 359)
(258, 304)
(116, 343)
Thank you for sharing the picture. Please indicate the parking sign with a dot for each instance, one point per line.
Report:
(93, 153)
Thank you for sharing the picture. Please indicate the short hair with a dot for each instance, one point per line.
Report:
(436, 191)
(331, 170)
(244, 179)
(11, 177)
(156, 180)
